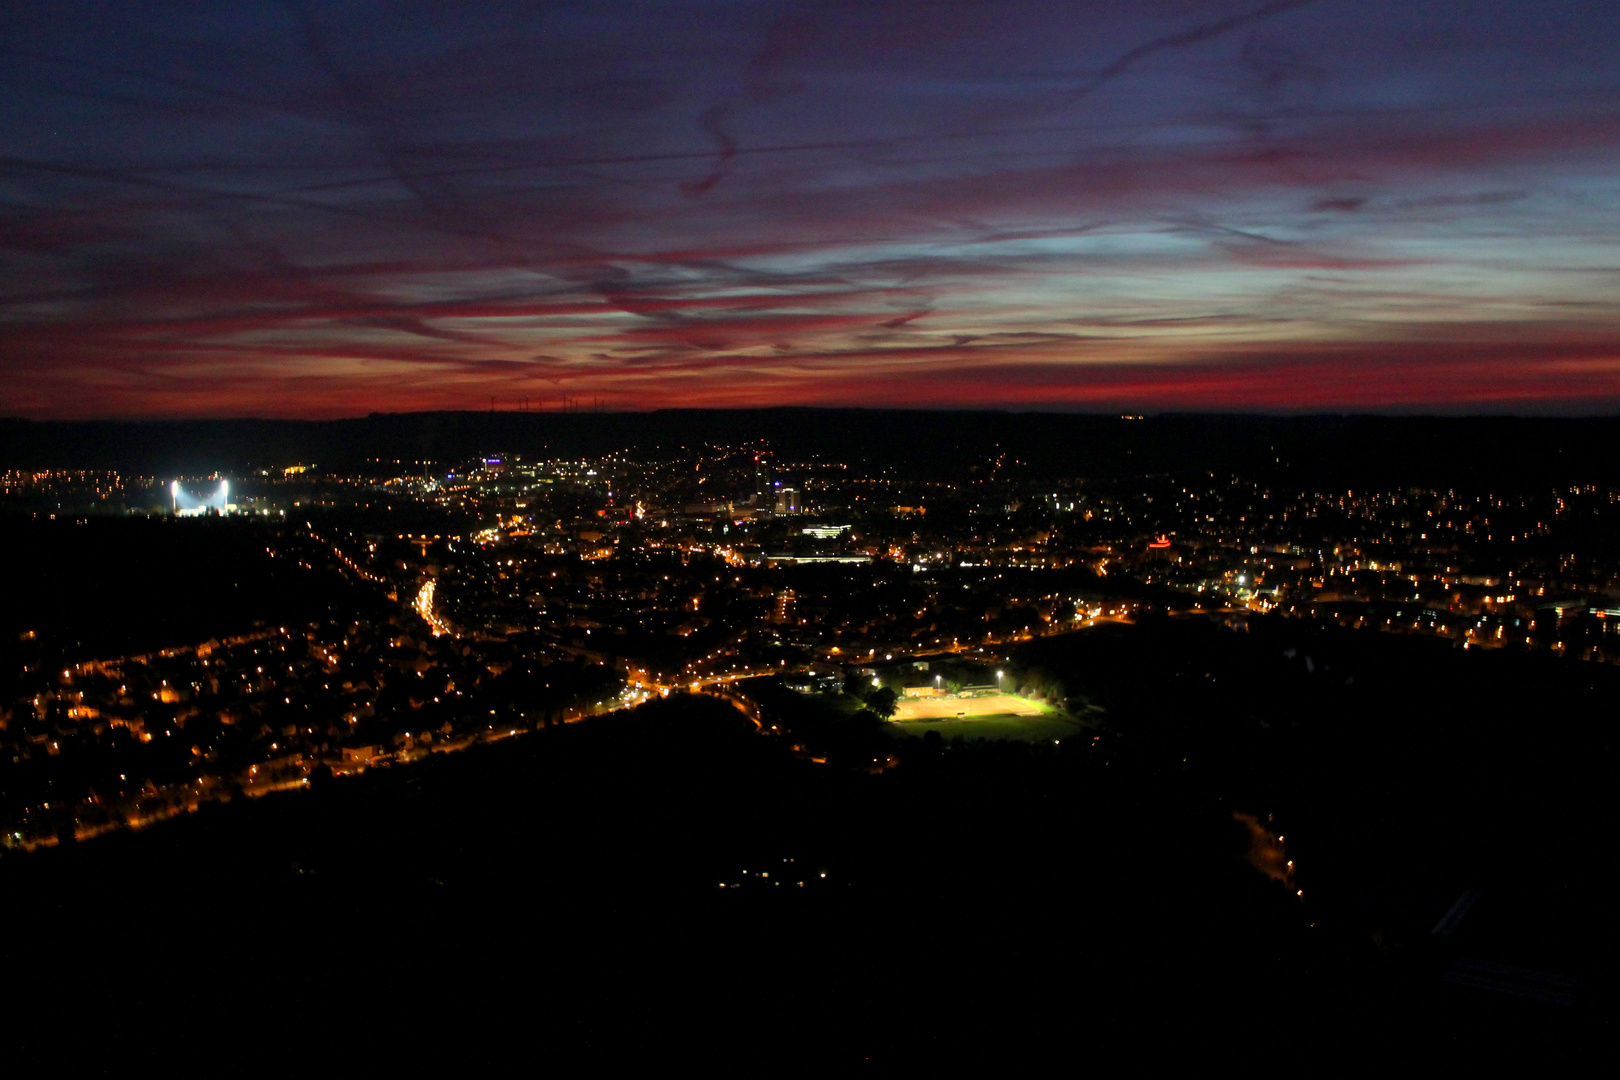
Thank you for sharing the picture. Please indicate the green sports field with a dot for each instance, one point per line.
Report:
(1016, 718)
(944, 708)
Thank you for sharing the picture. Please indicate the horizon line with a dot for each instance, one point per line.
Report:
(1611, 413)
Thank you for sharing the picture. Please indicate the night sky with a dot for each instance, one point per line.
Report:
(322, 209)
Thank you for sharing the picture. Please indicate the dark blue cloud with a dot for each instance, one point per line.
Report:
(308, 208)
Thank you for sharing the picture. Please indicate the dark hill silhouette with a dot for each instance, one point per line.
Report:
(1499, 451)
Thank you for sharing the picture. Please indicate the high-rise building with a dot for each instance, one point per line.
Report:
(787, 500)
(762, 479)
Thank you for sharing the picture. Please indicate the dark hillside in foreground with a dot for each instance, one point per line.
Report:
(559, 894)
(1404, 772)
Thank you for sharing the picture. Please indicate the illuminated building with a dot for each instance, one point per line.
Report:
(762, 478)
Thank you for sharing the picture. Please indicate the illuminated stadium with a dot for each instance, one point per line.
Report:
(184, 504)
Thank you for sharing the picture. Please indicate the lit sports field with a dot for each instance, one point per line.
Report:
(942, 708)
(1000, 717)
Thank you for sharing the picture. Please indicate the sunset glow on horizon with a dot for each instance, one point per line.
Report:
(305, 210)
